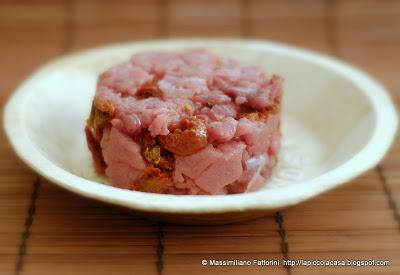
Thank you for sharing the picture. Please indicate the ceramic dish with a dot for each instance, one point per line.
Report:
(337, 123)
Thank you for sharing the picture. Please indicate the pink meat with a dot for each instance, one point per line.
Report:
(212, 168)
(266, 97)
(154, 92)
(193, 165)
(122, 175)
(221, 111)
(226, 170)
(258, 135)
(223, 131)
(125, 78)
(211, 97)
(178, 87)
(123, 157)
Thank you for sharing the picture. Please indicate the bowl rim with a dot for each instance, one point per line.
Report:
(379, 143)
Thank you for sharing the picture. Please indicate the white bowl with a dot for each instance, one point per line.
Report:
(337, 123)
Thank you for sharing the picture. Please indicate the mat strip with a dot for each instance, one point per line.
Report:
(284, 242)
(160, 249)
(30, 215)
(389, 194)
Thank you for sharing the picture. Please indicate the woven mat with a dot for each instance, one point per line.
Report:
(46, 230)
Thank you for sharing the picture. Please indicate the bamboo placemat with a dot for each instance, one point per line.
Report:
(46, 230)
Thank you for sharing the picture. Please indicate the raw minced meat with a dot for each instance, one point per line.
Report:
(185, 123)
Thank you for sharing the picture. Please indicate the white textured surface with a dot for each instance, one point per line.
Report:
(337, 123)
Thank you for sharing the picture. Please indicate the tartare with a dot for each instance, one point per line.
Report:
(189, 123)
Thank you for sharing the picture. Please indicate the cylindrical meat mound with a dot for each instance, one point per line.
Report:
(185, 123)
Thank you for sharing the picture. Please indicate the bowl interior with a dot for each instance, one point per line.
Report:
(326, 118)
